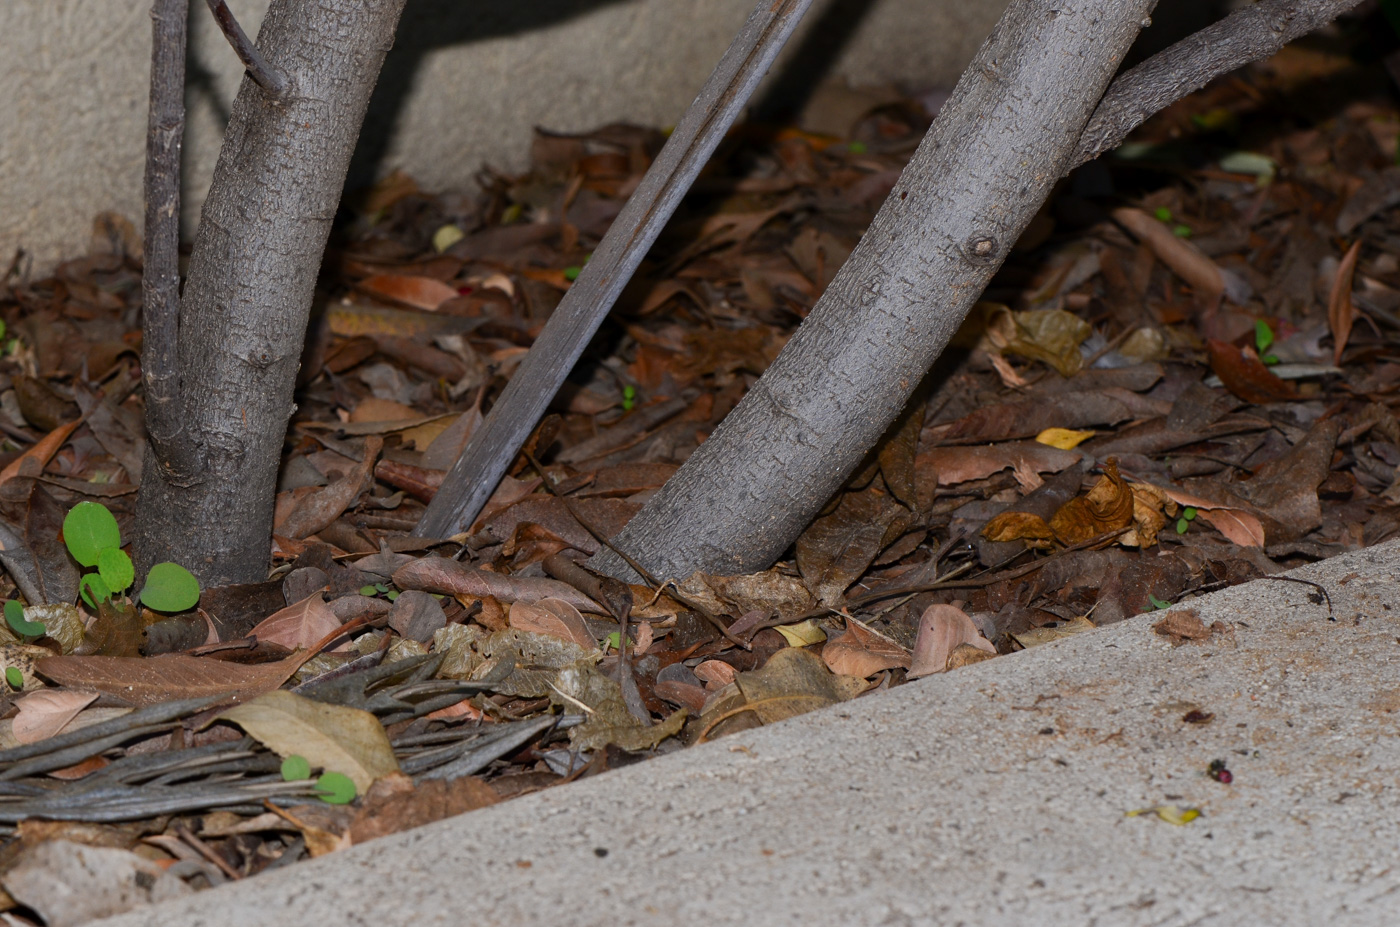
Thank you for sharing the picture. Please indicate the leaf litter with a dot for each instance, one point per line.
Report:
(1184, 377)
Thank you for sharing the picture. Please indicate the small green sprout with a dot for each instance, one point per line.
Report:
(1263, 338)
(369, 591)
(1163, 214)
(1181, 231)
(295, 768)
(336, 788)
(571, 272)
(629, 397)
(1157, 603)
(1188, 515)
(14, 617)
(856, 148)
(92, 536)
(14, 677)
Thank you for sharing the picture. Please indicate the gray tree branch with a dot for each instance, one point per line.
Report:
(160, 277)
(272, 80)
(1249, 34)
(985, 167)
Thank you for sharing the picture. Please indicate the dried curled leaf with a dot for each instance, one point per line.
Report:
(1107, 507)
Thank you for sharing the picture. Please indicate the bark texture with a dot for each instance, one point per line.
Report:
(978, 177)
(208, 485)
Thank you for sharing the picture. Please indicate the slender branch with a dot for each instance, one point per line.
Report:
(272, 80)
(1249, 34)
(160, 277)
(496, 441)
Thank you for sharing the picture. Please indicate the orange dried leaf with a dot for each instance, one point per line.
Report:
(1245, 375)
(418, 292)
(1340, 313)
(1105, 508)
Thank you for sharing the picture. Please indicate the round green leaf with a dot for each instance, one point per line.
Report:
(336, 788)
(115, 568)
(14, 677)
(14, 617)
(170, 588)
(94, 590)
(296, 767)
(89, 529)
(369, 591)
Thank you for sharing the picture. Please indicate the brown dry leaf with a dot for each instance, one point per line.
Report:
(942, 629)
(792, 682)
(1105, 508)
(452, 577)
(1186, 260)
(44, 713)
(960, 463)
(1152, 508)
(1285, 489)
(1029, 417)
(554, 617)
(116, 631)
(863, 651)
(394, 804)
(1053, 632)
(1049, 335)
(608, 516)
(1182, 625)
(1236, 524)
(1245, 375)
(374, 409)
(40, 453)
(350, 741)
(715, 674)
(1018, 526)
(300, 625)
(418, 292)
(319, 509)
(836, 549)
(152, 680)
(770, 591)
(898, 455)
(966, 655)
(609, 721)
(1340, 313)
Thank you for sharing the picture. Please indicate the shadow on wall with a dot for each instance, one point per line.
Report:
(428, 25)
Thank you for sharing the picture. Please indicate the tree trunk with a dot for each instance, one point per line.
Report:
(208, 484)
(982, 172)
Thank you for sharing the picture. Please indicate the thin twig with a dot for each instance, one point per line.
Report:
(160, 275)
(1249, 34)
(271, 79)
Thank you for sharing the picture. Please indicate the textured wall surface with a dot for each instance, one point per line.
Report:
(462, 88)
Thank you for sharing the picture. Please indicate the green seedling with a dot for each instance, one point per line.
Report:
(295, 768)
(856, 148)
(629, 398)
(1157, 603)
(1181, 231)
(571, 272)
(94, 590)
(1263, 338)
(1163, 214)
(1188, 515)
(392, 595)
(336, 788)
(92, 536)
(14, 617)
(14, 677)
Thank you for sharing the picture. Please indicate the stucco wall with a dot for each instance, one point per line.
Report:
(463, 86)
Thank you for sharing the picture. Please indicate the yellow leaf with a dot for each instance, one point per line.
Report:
(446, 237)
(331, 737)
(1064, 438)
(1172, 814)
(802, 634)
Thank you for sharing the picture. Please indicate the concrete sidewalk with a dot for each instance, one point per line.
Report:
(993, 795)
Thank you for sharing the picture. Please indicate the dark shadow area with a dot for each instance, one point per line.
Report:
(428, 25)
(809, 63)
